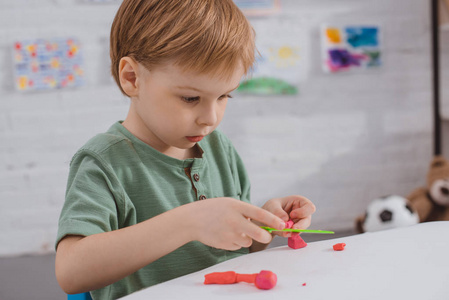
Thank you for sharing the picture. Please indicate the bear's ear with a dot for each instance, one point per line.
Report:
(437, 164)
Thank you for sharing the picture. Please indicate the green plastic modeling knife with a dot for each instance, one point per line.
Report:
(270, 230)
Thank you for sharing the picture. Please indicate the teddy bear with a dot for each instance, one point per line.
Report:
(424, 204)
(432, 201)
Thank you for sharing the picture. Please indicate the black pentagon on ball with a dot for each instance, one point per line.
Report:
(386, 215)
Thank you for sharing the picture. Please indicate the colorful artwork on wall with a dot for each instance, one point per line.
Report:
(259, 7)
(276, 71)
(47, 64)
(350, 47)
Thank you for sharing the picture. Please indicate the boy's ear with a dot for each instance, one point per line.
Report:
(129, 74)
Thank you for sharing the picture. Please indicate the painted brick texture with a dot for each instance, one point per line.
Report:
(342, 141)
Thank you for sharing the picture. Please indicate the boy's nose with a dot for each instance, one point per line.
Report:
(208, 115)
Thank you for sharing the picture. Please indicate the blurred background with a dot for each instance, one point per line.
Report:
(339, 130)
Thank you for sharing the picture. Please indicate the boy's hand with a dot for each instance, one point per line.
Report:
(297, 208)
(224, 223)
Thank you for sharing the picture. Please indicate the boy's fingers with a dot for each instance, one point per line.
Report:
(304, 211)
(303, 223)
(258, 234)
(263, 216)
(278, 211)
(244, 241)
(234, 247)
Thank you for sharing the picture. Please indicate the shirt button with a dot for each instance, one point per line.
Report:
(196, 177)
(202, 197)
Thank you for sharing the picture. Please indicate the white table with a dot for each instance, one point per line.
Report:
(405, 263)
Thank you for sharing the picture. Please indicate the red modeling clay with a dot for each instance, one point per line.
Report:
(304, 284)
(296, 242)
(289, 224)
(264, 280)
(339, 246)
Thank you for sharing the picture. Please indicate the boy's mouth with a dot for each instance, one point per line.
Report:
(195, 139)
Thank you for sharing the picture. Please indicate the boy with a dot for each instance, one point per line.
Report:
(163, 194)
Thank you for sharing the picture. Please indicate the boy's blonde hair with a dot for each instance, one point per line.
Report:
(205, 36)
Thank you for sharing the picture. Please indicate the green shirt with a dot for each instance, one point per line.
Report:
(116, 180)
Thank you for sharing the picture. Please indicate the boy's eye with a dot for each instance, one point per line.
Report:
(193, 99)
(190, 99)
(225, 96)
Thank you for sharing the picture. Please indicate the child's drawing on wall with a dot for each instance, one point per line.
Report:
(350, 47)
(47, 64)
(259, 7)
(276, 71)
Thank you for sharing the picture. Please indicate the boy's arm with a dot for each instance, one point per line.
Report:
(88, 263)
(92, 262)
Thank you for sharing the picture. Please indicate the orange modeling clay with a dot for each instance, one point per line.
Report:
(339, 247)
(264, 280)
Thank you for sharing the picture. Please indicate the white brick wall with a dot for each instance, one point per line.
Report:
(342, 141)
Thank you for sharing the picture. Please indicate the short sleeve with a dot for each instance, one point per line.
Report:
(92, 198)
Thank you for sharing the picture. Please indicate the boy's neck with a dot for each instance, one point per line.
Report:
(196, 152)
(181, 154)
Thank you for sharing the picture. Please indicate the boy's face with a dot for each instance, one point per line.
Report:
(173, 110)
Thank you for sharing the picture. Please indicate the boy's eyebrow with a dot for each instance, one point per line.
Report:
(200, 91)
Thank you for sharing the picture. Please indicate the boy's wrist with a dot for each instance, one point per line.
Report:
(187, 222)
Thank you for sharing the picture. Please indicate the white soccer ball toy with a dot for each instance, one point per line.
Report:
(389, 212)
